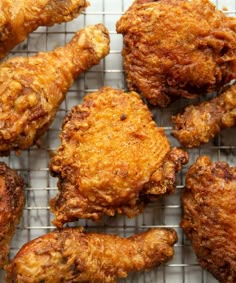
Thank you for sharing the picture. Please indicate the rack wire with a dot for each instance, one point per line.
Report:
(32, 164)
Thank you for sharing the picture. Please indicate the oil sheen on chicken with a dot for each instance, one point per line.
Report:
(70, 255)
(19, 18)
(113, 158)
(176, 48)
(32, 88)
(209, 216)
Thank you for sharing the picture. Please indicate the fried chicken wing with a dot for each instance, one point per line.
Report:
(176, 48)
(11, 207)
(21, 17)
(209, 216)
(200, 123)
(32, 88)
(70, 255)
(113, 158)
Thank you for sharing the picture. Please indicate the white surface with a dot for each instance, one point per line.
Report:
(32, 164)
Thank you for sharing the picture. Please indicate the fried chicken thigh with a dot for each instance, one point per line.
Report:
(32, 88)
(176, 48)
(209, 216)
(113, 158)
(200, 123)
(70, 255)
(21, 17)
(11, 207)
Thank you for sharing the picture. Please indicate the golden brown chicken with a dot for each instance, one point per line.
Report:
(70, 255)
(209, 216)
(32, 89)
(21, 17)
(113, 158)
(11, 207)
(200, 123)
(176, 48)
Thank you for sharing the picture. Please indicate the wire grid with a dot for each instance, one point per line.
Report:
(40, 187)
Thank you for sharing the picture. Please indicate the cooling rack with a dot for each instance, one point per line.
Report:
(32, 164)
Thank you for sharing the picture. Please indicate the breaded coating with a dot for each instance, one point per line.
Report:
(70, 255)
(21, 17)
(201, 122)
(11, 207)
(209, 216)
(32, 88)
(113, 158)
(176, 48)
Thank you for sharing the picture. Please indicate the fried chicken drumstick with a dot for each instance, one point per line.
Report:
(70, 255)
(209, 216)
(11, 207)
(113, 158)
(18, 20)
(176, 48)
(32, 89)
(200, 123)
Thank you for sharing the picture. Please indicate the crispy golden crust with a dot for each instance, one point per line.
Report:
(163, 180)
(32, 89)
(11, 207)
(70, 255)
(209, 216)
(17, 20)
(110, 158)
(188, 56)
(201, 122)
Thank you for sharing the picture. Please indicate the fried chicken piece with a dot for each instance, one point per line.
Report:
(32, 88)
(200, 123)
(70, 255)
(164, 58)
(209, 216)
(18, 20)
(11, 207)
(113, 158)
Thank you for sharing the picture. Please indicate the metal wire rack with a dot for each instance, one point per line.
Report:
(32, 164)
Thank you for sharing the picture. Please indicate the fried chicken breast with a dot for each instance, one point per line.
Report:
(32, 88)
(21, 17)
(70, 255)
(11, 207)
(176, 48)
(201, 122)
(113, 158)
(209, 216)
